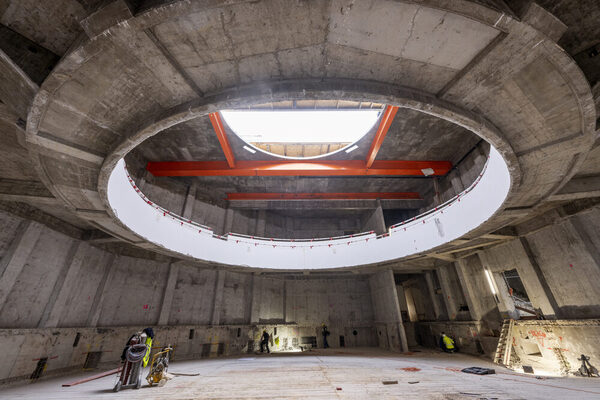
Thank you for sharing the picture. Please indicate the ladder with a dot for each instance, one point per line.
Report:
(504, 348)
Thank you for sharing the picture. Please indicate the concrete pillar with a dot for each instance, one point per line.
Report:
(581, 231)
(256, 290)
(218, 298)
(456, 182)
(534, 281)
(261, 223)
(56, 303)
(167, 300)
(228, 222)
(506, 304)
(434, 298)
(387, 308)
(437, 198)
(374, 221)
(109, 271)
(16, 256)
(449, 297)
(188, 204)
(468, 290)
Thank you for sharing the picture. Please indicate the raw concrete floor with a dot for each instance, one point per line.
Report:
(318, 374)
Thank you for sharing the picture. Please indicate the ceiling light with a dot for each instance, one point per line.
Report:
(301, 126)
(352, 149)
(251, 150)
(428, 171)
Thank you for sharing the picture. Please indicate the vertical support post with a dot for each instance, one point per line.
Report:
(218, 298)
(55, 304)
(436, 191)
(455, 180)
(535, 283)
(261, 223)
(16, 257)
(109, 271)
(386, 306)
(167, 300)
(506, 305)
(228, 223)
(468, 290)
(449, 298)
(256, 291)
(188, 204)
(434, 298)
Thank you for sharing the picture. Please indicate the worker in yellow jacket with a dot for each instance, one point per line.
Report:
(149, 334)
(447, 344)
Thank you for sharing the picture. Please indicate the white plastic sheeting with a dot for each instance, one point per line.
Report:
(454, 219)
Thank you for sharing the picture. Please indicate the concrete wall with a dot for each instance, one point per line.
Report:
(559, 265)
(53, 286)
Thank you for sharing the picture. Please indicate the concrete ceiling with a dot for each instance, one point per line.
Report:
(487, 64)
(412, 136)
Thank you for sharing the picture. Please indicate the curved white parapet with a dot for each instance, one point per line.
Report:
(450, 221)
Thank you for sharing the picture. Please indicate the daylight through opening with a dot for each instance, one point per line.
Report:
(301, 133)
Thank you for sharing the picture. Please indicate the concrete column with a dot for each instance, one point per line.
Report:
(109, 271)
(56, 303)
(387, 308)
(468, 290)
(579, 229)
(143, 180)
(456, 182)
(228, 222)
(374, 221)
(437, 198)
(188, 204)
(506, 306)
(256, 290)
(434, 299)
(16, 256)
(261, 223)
(167, 300)
(533, 279)
(218, 298)
(449, 298)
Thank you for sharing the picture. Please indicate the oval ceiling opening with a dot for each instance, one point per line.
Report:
(301, 133)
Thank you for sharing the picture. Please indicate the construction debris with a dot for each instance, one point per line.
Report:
(182, 374)
(478, 371)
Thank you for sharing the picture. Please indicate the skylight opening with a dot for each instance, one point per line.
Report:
(301, 133)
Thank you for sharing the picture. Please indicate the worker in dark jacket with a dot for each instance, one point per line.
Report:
(264, 341)
(325, 333)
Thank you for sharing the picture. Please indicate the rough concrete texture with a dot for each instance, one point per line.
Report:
(85, 83)
(352, 374)
(552, 347)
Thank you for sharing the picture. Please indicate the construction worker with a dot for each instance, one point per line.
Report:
(264, 341)
(149, 333)
(447, 344)
(325, 333)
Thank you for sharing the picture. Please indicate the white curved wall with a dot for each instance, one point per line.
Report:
(456, 218)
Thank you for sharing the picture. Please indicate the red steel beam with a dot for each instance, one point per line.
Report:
(297, 168)
(384, 125)
(325, 196)
(215, 119)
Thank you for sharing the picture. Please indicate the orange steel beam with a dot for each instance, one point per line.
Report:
(325, 196)
(215, 119)
(384, 125)
(297, 168)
